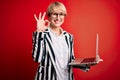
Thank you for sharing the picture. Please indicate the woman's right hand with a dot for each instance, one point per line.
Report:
(41, 23)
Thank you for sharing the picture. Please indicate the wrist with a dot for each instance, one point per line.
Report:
(39, 30)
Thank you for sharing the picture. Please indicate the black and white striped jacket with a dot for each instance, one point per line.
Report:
(40, 54)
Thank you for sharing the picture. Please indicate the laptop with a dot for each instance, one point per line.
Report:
(91, 61)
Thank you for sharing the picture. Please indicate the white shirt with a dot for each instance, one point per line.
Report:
(61, 53)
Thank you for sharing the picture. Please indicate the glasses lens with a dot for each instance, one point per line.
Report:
(56, 14)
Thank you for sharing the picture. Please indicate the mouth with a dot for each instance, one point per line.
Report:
(57, 21)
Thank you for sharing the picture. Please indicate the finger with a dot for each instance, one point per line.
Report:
(100, 59)
(40, 16)
(43, 15)
(35, 17)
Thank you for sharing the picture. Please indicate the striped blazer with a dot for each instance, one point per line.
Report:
(40, 54)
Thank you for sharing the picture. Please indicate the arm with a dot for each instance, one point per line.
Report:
(38, 46)
(72, 42)
(38, 38)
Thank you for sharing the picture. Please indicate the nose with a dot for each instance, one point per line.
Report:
(58, 16)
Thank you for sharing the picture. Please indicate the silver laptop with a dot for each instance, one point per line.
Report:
(92, 60)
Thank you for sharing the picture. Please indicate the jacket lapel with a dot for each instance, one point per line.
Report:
(67, 38)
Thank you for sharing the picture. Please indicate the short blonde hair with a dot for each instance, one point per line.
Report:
(56, 6)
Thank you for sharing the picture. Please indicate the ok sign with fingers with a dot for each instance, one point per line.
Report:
(41, 23)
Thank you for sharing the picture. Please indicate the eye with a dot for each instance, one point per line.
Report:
(61, 14)
(55, 14)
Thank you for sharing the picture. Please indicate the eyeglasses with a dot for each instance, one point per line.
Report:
(62, 15)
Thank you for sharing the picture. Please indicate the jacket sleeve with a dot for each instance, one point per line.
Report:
(72, 42)
(37, 46)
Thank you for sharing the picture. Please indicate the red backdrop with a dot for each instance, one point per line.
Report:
(85, 19)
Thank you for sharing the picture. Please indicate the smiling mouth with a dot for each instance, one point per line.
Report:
(57, 22)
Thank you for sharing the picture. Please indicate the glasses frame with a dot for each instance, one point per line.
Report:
(54, 15)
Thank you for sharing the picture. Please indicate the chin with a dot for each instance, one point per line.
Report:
(57, 25)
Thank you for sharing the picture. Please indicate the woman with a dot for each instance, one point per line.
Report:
(52, 46)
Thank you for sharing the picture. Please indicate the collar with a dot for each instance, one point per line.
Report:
(50, 30)
(65, 33)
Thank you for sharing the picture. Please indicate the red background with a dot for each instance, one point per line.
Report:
(85, 19)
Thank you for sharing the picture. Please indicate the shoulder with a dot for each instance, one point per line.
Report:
(67, 34)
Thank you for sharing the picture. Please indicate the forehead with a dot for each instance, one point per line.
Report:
(58, 10)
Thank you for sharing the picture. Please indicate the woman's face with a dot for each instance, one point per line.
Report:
(56, 19)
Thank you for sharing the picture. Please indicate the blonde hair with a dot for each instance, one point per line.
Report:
(56, 6)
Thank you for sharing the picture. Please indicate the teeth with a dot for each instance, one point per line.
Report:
(57, 22)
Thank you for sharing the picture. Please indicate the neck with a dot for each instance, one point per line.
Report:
(57, 30)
